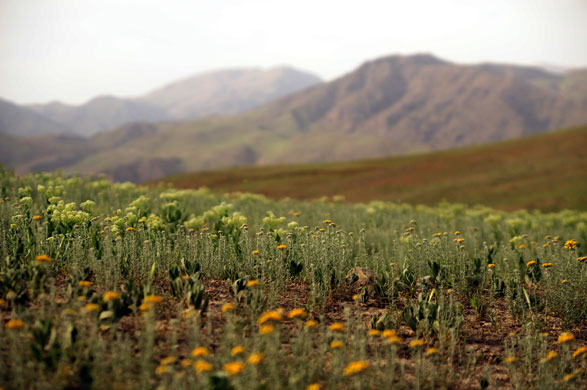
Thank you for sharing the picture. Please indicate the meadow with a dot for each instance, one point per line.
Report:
(117, 286)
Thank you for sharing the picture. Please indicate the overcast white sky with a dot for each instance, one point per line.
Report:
(72, 50)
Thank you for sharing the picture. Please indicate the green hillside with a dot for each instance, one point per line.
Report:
(545, 172)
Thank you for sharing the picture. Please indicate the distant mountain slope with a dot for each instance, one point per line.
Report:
(228, 91)
(548, 171)
(22, 122)
(100, 114)
(212, 93)
(390, 106)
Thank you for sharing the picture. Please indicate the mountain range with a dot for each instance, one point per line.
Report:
(389, 106)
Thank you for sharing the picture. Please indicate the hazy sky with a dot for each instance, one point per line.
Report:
(72, 50)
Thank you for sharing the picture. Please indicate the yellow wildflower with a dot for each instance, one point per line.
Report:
(110, 296)
(252, 283)
(237, 350)
(432, 351)
(491, 265)
(200, 351)
(311, 323)
(202, 366)
(298, 313)
(92, 307)
(417, 343)
(570, 244)
(336, 344)
(510, 359)
(336, 327)
(84, 283)
(160, 370)
(549, 356)
(227, 307)
(255, 252)
(460, 240)
(185, 363)
(270, 316)
(168, 360)
(14, 324)
(530, 263)
(145, 306)
(565, 337)
(580, 352)
(394, 339)
(547, 265)
(355, 367)
(388, 333)
(255, 358)
(153, 299)
(234, 368)
(373, 332)
(314, 386)
(266, 329)
(42, 259)
(130, 229)
(282, 247)
(457, 233)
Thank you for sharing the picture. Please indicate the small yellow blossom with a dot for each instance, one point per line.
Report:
(530, 263)
(153, 299)
(37, 217)
(460, 240)
(237, 350)
(491, 265)
(270, 316)
(145, 306)
(565, 337)
(168, 360)
(373, 332)
(234, 368)
(110, 296)
(202, 366)
(266, 329)
(314, 386)
(457, 233)
(510, 359)
(355, 367)
(336, 327)
(92, 307)
(547, 265)
(160, 370)
(252, 283)
(255, 358)
(42, 259)
(311, 323)
(282, 247)
(298, 313)
(255, 252)
(130, 229)
(14, 324)
(580, 352)
(200, 351)
(549, 356)
(84, 283)
(336, 344)
(185, 363)
(432, 351)
(227, 307)
(570, 244)
(417, 343)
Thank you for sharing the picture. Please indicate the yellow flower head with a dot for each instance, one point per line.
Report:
(153, 299)
(457, 233)
(252, 283)
(298, 313)
(255, 358)
(547, 265)
(570, 244)
(130, 229)
(200, 351)
(282, 247)
(565, 337)
(432, 351)
(373, 332)
(336, 344)
(417, 343)
(168, 360)
(266, 329)
(255, 252)
(202, 366)
(355, 367)
(14, 324)
(110, 296)
(460, 240)
(580, 352)
(185, 363)
(549, 356)
(234, 368)
(510, 359)
(84, 283)
(227, 307)
(270, 316)
(161, 369)
(394, 339)
(36, 217)
(92, 307)
(314, 386)
(388, 333)
(521, 246)
(311, 323)
(42, 259)
(530, 263)
(237, 350)
(145, 306)
(491, 265)
(336, 327)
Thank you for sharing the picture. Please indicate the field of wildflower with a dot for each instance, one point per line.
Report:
(116, 286)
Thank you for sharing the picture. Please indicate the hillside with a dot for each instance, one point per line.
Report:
(212, 93)
(546, 172)
(23, 122)
(391, 106)
(228, 91)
